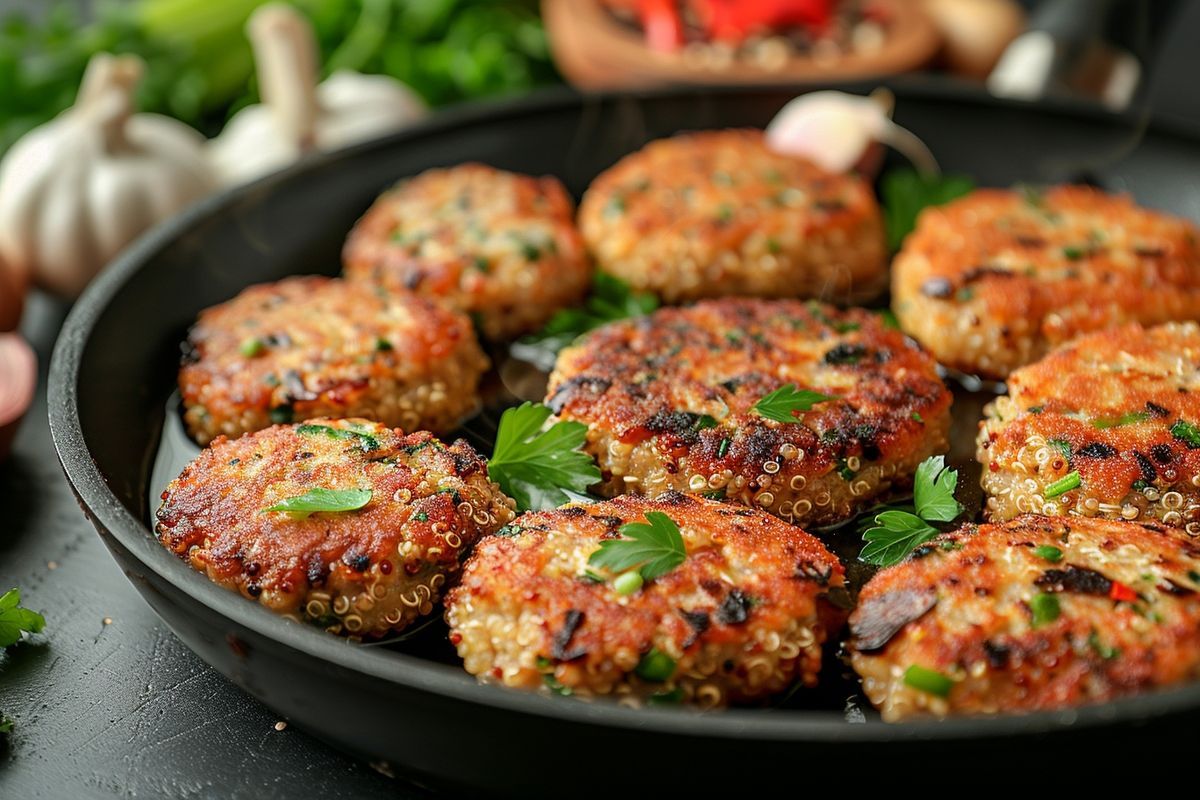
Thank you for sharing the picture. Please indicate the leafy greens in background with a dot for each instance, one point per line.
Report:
(905, 192)
(199, 67)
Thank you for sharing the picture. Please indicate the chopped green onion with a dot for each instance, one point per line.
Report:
(628, 582)
(1045, 609)
(1100, 648)
(671, 698)
(929, 681)
(382, 344)
(252, 347)
(1073, 253)
(1063, 485)
(656, 666)
(1048, 552)
(916, 415)
(1132, 418)
(723, 447)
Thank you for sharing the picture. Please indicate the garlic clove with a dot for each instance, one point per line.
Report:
(18, 379)
(836, 130)
(356, 107)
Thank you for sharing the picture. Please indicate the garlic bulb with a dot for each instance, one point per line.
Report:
(297, 116)
(836, 130)
(76, 190)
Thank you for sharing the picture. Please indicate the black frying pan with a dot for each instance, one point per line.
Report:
(409, 705)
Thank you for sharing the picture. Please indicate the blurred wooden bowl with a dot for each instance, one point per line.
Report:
(593, 50)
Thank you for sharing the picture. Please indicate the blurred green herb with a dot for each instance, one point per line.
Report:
(906, 192)
(16, 621)
(610, 299)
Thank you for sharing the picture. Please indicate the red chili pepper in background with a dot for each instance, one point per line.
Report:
(1120, 591)
(734, 20)
(662, 24)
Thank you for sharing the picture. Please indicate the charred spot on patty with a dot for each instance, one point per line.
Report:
(1079, 580)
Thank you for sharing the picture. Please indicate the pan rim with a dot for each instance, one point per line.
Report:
(410, 672)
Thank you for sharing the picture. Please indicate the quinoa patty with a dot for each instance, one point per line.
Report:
(994, 280)
(718, 213)
(742, 618)
(498, 245)
(668, 399)
(365, 573)
(308, 347)
(1039, 613)
(1106, 426)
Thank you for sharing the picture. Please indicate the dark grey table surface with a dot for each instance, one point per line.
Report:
(107, 702)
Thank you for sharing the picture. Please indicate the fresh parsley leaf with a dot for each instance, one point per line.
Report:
(540, 469)
(611, 299)
(655, 547)
(906, 192)
(897, 533)
(16, 621)
(933, 491)
(782, 404)
(323, 500)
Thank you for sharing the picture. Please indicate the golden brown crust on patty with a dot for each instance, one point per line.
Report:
(717, 213)
(996, 279)
(310, 346)
(1121, 409)
(668, 399)
(743, 617)
(366, 573)
(498, 245)
(1122, 616)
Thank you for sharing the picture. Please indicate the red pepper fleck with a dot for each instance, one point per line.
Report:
(1122, 593)
(385, 567)
(635, 435)
(994, 467)
(455, 638)
(497, 673)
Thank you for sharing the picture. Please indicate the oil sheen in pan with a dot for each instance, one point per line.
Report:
(514, 380)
